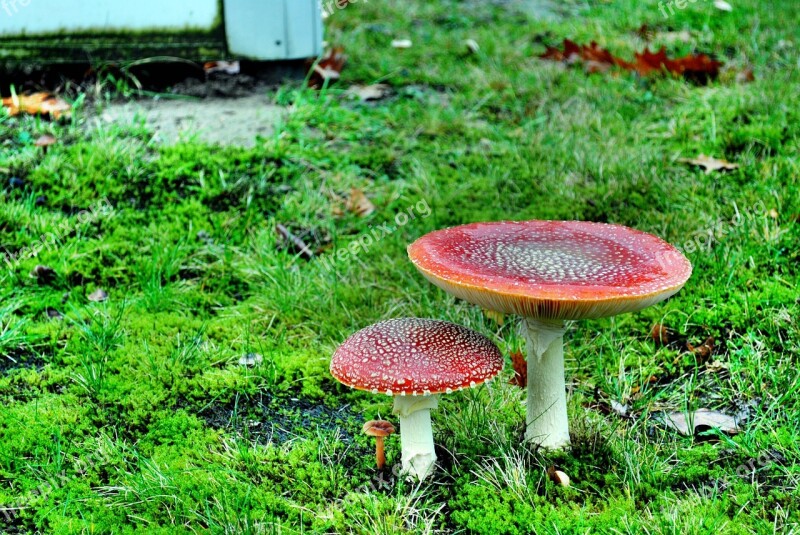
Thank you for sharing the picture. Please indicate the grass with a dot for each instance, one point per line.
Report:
(134, 415)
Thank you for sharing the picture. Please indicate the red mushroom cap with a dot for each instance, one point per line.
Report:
(552, 269)
(412, 356)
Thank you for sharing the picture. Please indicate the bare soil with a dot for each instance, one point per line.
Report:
(217, 121)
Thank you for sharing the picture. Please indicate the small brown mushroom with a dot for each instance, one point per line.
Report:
(379, 429)
(45, 141)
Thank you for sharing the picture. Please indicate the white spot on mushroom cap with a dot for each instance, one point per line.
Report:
(446, 356)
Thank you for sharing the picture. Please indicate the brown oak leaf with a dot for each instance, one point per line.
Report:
(328, 68)
(37, 104)
(520, 366)
(699, 68)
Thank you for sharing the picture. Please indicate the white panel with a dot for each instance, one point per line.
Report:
(273, 29)
(19, 17)
(319, 29)
(255, 28)
(303, 28)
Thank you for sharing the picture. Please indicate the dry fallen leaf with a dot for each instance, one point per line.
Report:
(359, 204)
(698, 68)
(370, 92)
(612, 407)
(520, 366)
(700, 421)
(716, 366)
(722, 5)
(660, 334)
(250, 360)
(682, 36)
(328, 68)
(98, 296)
(710, 164)
(745, 76)
(472, 46)
(37, 104)
(594, 58)
(225, 67)
(402, 43)
(704, 350)
(619, 408)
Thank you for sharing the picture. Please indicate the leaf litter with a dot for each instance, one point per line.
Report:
(699, 68)
(700, 421)
(710, 164)
(41, 103)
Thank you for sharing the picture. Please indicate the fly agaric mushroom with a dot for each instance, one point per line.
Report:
(378, 429)
(548, 272)
(414, 360)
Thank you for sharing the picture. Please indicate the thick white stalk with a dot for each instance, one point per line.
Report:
(547, 423)
(416, 434)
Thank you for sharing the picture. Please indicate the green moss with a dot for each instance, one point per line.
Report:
(139, 417)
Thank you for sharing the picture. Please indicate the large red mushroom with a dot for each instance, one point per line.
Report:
(414, 360)
(549, 272)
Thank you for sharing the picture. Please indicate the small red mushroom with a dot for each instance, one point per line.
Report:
(548, 272)
(414, 360)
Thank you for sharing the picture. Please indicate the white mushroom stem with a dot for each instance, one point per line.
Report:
(416, 434)
(546, 422)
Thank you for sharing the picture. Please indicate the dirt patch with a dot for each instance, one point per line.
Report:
(216, 121)
(216, 108)
(14, 524)
(218, 85)
(179, 77)
(20, 359)
(271, 419)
